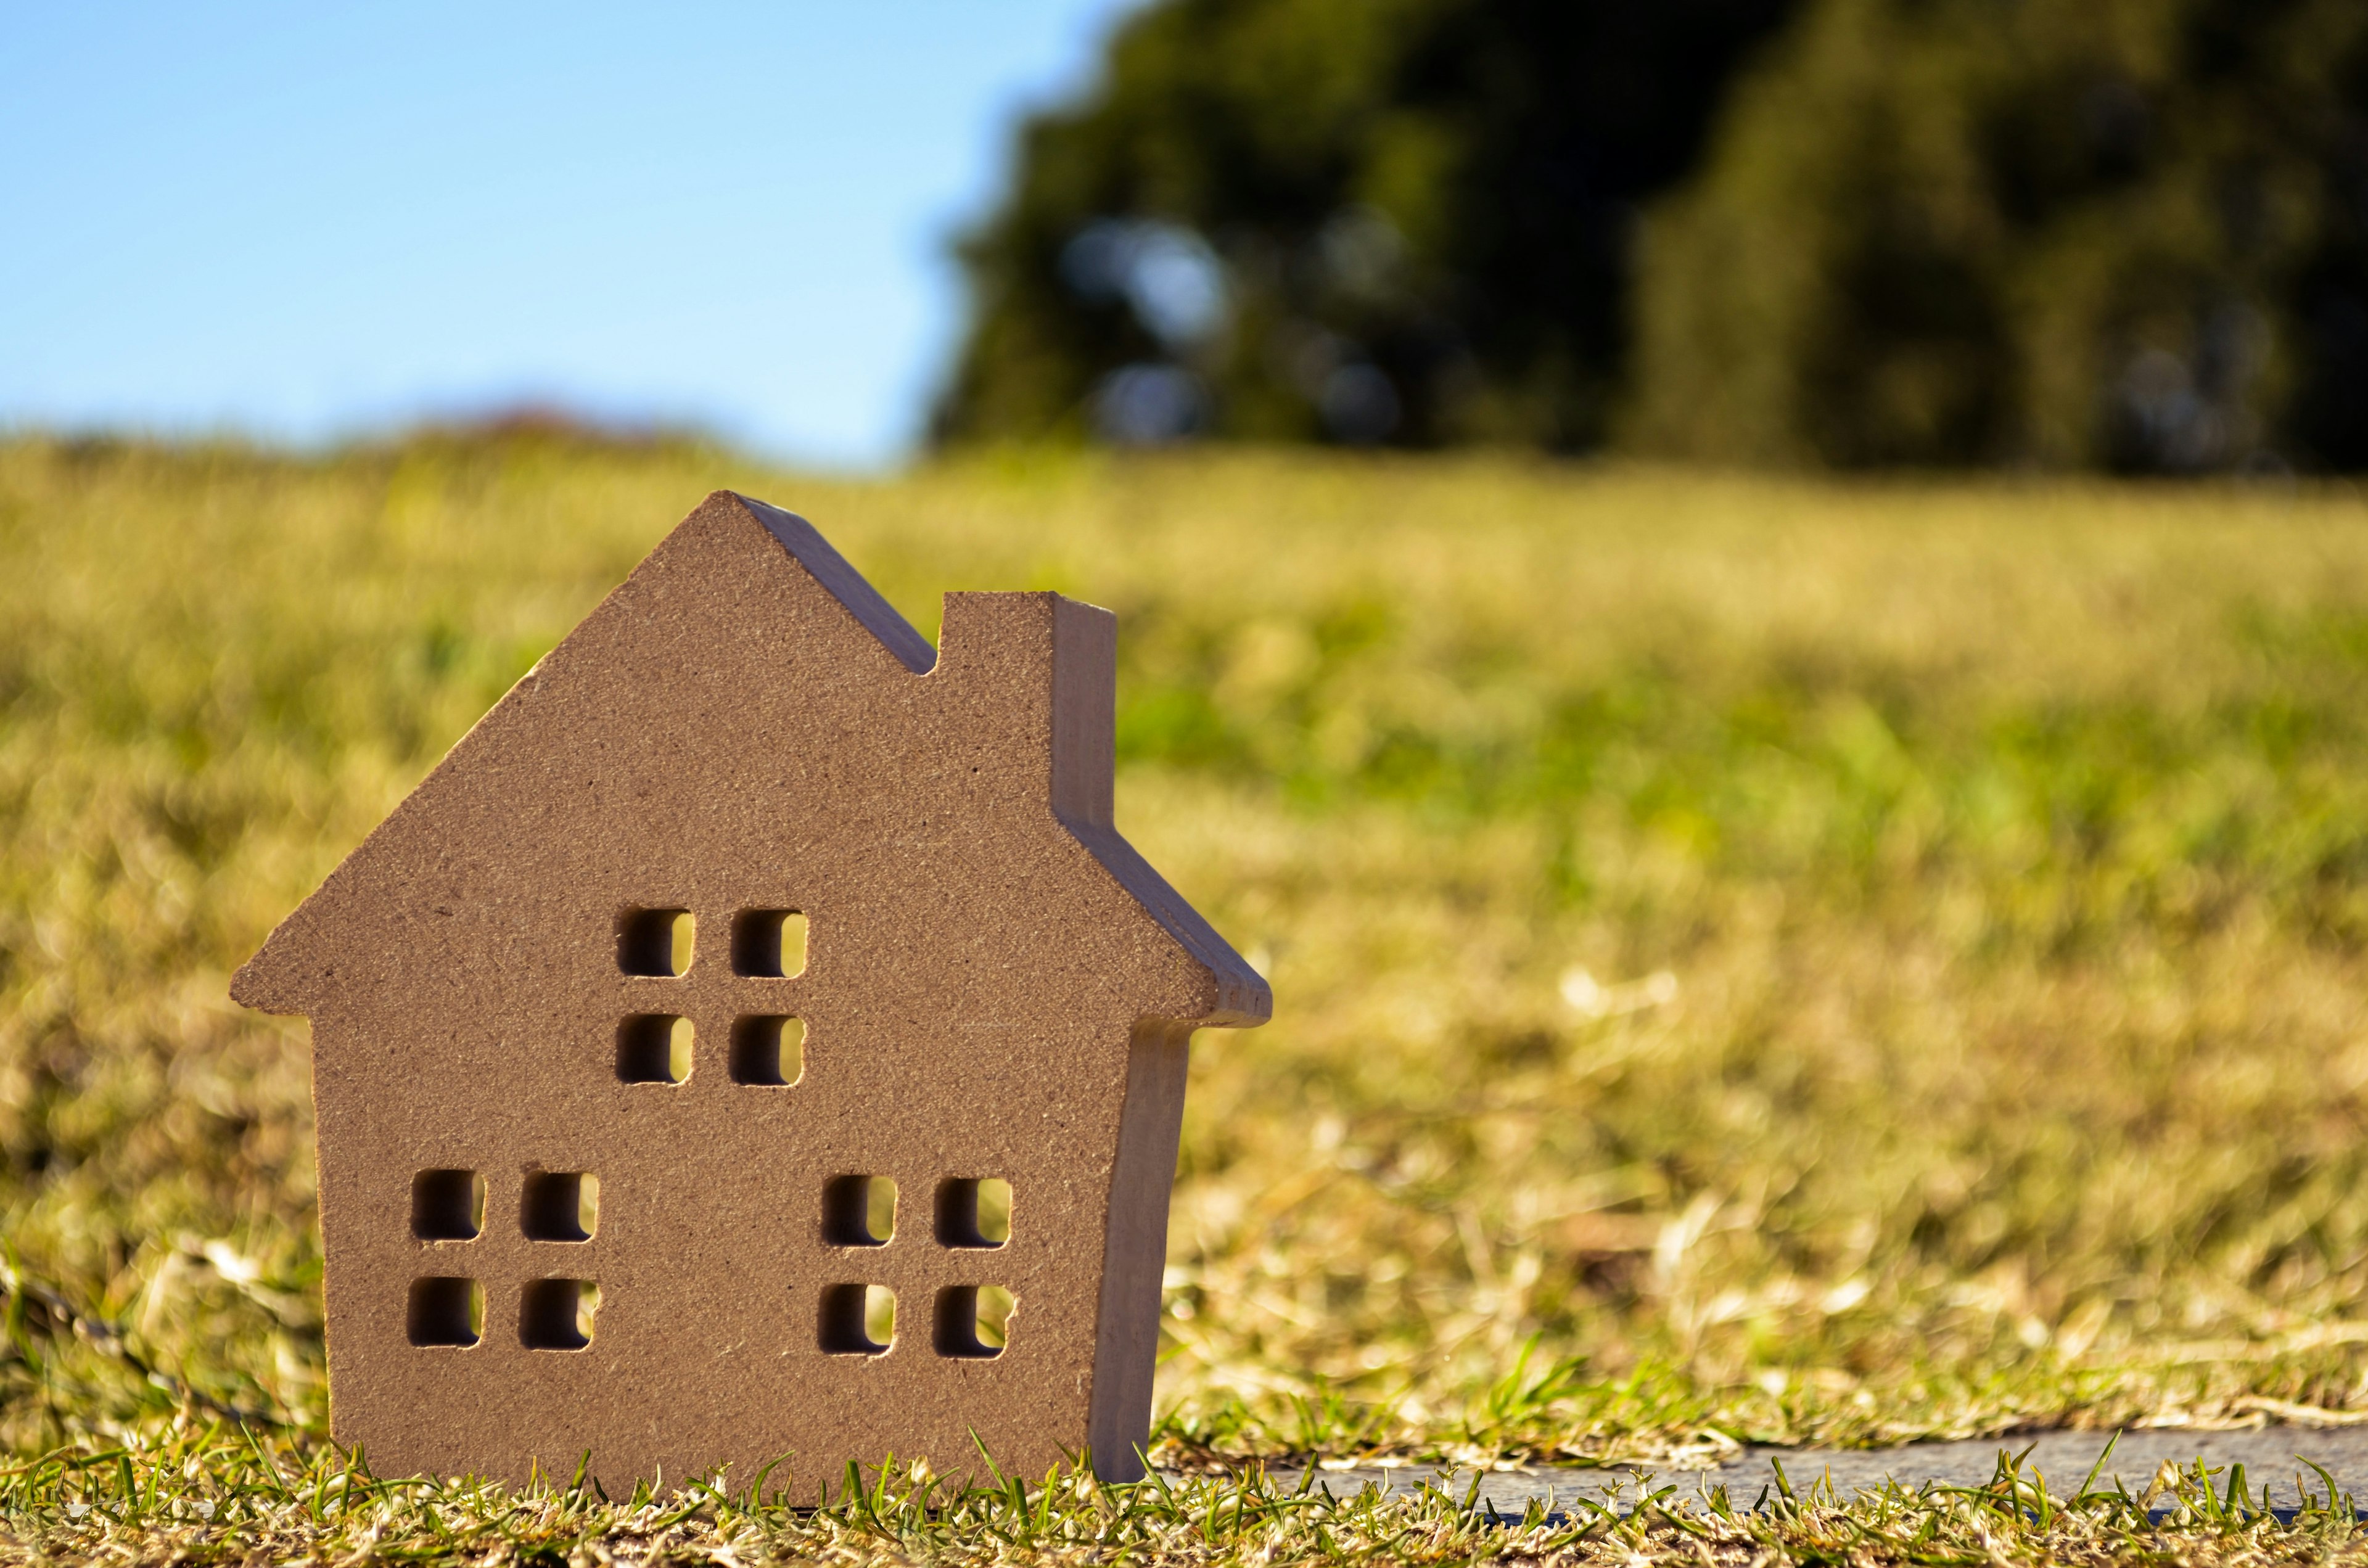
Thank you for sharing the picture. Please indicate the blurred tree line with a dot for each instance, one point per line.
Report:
(2114, 233)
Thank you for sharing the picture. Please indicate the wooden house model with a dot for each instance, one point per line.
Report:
(754, 1041)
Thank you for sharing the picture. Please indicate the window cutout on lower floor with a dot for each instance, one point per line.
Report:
(857, 1320)
(556, 1314)
(559, 1206)
(974, 1321)
(448, 1205)
(654, 1047)
(768, 1052)
(973, 1212)
(858, 1211)
(656, 941)
(444, 1311)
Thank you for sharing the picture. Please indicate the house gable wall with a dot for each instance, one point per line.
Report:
(727, 732)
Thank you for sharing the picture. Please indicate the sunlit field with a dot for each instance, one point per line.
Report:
(1755, 960)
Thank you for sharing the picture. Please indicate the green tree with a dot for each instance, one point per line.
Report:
(1347, 220)
(2127, 233)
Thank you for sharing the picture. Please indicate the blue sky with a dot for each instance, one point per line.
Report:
(305, 221)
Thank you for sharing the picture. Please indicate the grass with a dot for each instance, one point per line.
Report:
(203, 1496)
(1756, 961)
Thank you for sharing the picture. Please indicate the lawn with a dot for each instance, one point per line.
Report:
(1756, 961)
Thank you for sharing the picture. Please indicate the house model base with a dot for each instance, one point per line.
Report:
(754, 1042)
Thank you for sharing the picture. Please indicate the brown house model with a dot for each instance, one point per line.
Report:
(749, 975)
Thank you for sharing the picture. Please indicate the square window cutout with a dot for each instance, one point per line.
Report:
(973, 1211)
(556, 1314)
(768, 1052)
(974, 1322)
(858, 1211)
(857, 1320)
(768, 944)
(445, 1312)
(656, 941)
(559, 1206)
(654, 1047)
(448, 1205)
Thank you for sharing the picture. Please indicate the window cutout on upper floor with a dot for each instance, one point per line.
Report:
(858, 1211)
(768, 944)
(444, 1311)
(974, 1322)
(448, 1205)
(973, 1212)
(559, 1206)
(654, 1047)
(857, 1320)
(656, 941)
(770, 1051)
(556, 1314)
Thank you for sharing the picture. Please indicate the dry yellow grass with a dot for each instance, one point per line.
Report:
(1819, 961)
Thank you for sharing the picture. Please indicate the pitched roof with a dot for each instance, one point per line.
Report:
(704, 633)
